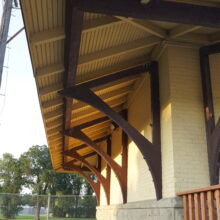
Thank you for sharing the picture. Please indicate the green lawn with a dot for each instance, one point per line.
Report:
(26, 217)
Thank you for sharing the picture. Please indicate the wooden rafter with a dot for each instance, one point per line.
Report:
(146, 26)
(82, 146)
(47, 36)
(49, 70)
(118, 50)
(182, 30)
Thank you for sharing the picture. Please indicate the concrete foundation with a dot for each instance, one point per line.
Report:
(165, 209)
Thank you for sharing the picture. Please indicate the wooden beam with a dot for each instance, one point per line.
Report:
(91, 123)
(215, 38)
(52, 103)
(76, 122)
(209, 113)
(47, 36)
(54, 114)
(115, 68)
(155, 10)
(119, 50)
(107, 97)
(114, 77)
(49, 70)
(50, 89)
(82, 146)
(146, 26)
(83, 157)
(92, 111)
(54, 123)
(73, 30)
(182, 30)
(67, 166)
(98, 23)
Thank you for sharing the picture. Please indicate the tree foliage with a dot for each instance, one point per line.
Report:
(34, 170)
(12, 181)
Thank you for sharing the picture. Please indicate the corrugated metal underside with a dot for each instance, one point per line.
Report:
(108, 44)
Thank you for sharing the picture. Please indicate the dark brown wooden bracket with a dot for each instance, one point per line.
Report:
(73, 30)
(150, 152)
(78, 134)
(97, 173)
(155, 111)
(95, 186)
(212, 130)
(155, 10)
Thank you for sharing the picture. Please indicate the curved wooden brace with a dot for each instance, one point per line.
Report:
(95, 186)
(151, 153)
(102, 180)
(78, 134)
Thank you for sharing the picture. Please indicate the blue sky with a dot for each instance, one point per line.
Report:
(21, 124)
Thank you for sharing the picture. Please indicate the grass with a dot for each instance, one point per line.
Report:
(43, 217)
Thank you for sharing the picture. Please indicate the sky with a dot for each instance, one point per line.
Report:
(21, 124)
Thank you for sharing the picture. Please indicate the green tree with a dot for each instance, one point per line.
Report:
(11, 182)
(38, 172)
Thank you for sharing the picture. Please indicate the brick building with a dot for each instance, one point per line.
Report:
(156, 65)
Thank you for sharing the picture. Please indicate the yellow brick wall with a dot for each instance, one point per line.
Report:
(184, 149)
(115, 196)
(166, 127)
(188, 127)
(140, 185)
(215, 78)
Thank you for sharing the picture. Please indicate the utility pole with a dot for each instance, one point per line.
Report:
(6, 15)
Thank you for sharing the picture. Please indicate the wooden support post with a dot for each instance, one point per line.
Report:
(73, 30)
(155, 112)
(211, 134)
(125, 156)
(108, 169)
